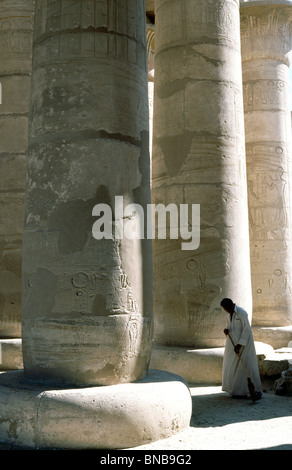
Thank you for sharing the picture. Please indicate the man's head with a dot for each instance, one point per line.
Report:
(227, 304)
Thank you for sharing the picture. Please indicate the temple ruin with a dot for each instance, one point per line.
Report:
(120, 104)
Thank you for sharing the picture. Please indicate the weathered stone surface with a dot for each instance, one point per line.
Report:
(11, 354)
(149, 5)
(111, 417)
(266, 47)
(196, 366)
(87, 309)
(283, 386)
(275, 336)
(199, 158)
(203, 366)
(16, 25)
(272, 362)
(275, 364)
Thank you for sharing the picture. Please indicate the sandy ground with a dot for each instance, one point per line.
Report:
(223, 423)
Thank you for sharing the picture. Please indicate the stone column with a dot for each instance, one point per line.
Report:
(199, 158)
(87, 308)
(150, 36)
(16, 25)
(266, 47)
(87, 286)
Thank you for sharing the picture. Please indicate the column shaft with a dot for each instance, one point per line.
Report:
(16, 25)
(87, 310)
(199, 158)
(266, 44)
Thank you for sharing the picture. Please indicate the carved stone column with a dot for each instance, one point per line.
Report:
(16, 25)
(199, 158)
(266, 47)
(150, 36)
(87, 307)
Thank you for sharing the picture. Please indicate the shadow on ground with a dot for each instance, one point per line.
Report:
(219, 409)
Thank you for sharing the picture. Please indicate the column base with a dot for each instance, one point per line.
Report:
(194, 365)
(277, 336)
(11, 354)
(204, 366)
(39, 416)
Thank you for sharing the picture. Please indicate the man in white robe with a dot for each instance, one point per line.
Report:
(234, 377)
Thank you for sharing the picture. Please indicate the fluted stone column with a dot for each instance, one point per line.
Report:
(16, 25)
(266, 48)
(87, 307)
(199, 158)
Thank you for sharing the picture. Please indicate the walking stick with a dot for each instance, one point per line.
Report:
(250, 385)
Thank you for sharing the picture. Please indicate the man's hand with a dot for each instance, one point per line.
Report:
(226, 331)
(237, 348)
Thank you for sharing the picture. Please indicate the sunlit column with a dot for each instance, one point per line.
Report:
(199, 158)
(266, 46)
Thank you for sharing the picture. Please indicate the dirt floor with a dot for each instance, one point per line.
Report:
(223, 423)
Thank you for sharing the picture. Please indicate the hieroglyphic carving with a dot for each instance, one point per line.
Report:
(268, 197)
(266, 47)
(226, 17)
(16, 25)
(198, 272)
(150, 40)
(131, 304)
(200, 316)
(264, 94)
(279, 282)
(212, 163)
(124, 280)
(15, 37)
(133, 332)
(77, 291)
(137, 334)
(213, 12)
(219, 14)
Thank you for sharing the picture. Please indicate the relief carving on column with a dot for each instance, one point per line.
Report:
(266, 49)
(16, 25)
(103, 21)
(221, 16)
(268, 193)
(15, 34)
(198, 156)
(266, 93)
(266, 35)
(150, 38)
